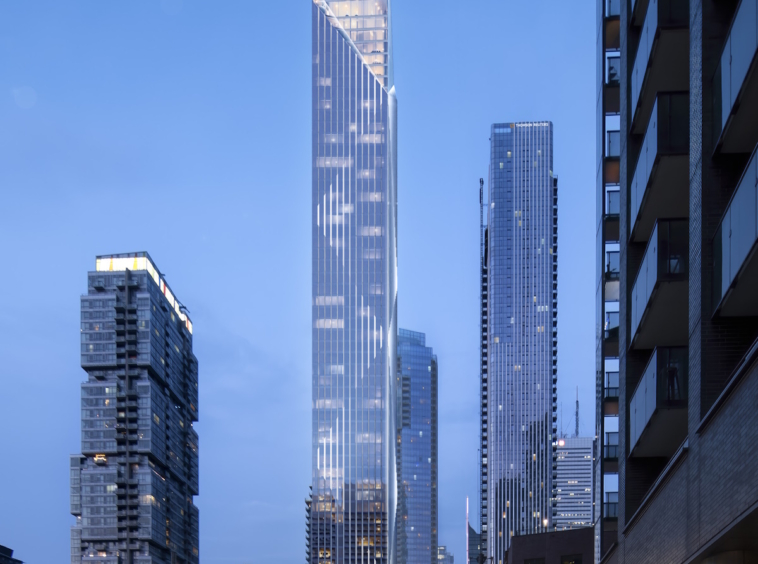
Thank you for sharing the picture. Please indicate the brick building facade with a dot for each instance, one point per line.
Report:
(688, 283)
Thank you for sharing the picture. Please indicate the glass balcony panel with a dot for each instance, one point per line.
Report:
(743, 45)
(665, 35)
(612, 288)
(613, 148)
(611, 218)
(736, 79)
(659, 294)
(611, 328)
(611, 505)
(612, 269)
(658, 408)
(614, 202)
(660, 186)
(736, 267)
(611, 379)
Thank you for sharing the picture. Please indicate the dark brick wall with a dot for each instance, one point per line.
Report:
(718, 477)
(728, 462)
(660, 533)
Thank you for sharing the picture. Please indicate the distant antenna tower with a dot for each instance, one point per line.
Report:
(576, 429)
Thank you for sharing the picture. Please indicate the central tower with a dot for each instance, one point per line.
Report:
(519, 314)
(354, 285)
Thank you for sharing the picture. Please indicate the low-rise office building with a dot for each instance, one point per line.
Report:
(574, 546)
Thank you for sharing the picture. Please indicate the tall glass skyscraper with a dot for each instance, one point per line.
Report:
(417, 449)
(520, 326)
(352, 516)
(132, 488)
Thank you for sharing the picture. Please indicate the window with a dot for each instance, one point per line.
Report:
(534, 561)
(572, 559)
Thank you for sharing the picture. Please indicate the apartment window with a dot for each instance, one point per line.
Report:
(572, 559)
(534, 561)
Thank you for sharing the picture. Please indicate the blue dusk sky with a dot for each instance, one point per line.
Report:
(183, 128)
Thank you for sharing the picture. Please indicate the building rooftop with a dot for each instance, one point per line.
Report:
(142, 261)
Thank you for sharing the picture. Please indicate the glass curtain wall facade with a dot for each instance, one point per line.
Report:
(573, 486)
(417, 447)
(132, 488)
(521, 254)
(352, 516)
(607, 287)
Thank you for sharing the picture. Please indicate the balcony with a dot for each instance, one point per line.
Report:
(662, 61)
(612, 269)
(611, 326)
(658, 409)
(611, 505)
(735, 81)
(735, 269)
(611, 334)
(612, 81)
(612, 8)
(660, 186)
(659, 294)
(611, 217)
(611, 388)
(611, 446)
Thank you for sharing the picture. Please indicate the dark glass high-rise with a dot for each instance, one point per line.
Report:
(133, 486)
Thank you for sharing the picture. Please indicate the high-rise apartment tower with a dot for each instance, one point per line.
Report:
(132, 488)
(677, 107)
(352, 516)
(417, 449)
(519, 323)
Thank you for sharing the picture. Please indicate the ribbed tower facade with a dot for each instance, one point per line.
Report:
(521, 334)
(132, 488)
(352, 515)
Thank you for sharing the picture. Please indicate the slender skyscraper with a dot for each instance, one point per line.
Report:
(417, 448)
(132, 488)
(352, 516)
(520, 326)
